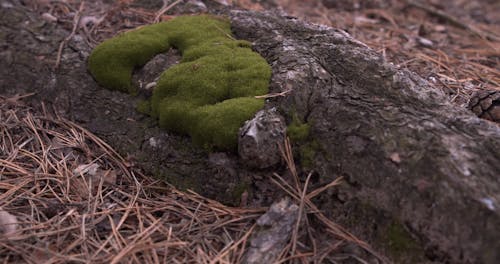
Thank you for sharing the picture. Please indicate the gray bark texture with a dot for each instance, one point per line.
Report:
(402, 147)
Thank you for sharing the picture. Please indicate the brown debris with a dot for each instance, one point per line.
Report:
(67, 196)
(8, 223)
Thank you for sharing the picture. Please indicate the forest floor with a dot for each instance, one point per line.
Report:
(67, 196)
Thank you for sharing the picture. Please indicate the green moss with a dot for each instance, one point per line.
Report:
(143, 106)
(308, 153)
(112, 62)
(208, 95)
(400, 243)
(178, 180)
(298, 131)
(389, 235)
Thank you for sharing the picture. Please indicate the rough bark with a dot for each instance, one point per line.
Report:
(403, 148)
(411, 160)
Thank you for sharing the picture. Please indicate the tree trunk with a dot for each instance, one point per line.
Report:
(403, 148)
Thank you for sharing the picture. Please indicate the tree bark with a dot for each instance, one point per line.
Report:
(402, 147)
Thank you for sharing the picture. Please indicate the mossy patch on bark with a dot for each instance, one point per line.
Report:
(402, 247)
(299, 133)
(208, 95)
(297, 130)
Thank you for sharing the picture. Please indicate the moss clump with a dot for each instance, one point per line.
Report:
(208, 95)
(298, 131)
(112, 62)
(400, 243)
(143, 106)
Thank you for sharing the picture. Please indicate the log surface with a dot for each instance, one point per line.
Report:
(403, 148)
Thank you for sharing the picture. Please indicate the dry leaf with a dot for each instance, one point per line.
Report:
(8, 223)
(360, 20)
(395, 157)
(110, 177)
(425, 42)
(49, 17)
(225, 2)
(83, 169)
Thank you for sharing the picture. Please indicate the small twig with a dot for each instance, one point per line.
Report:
(272, 95)
(17, 98)
(76, 22)
(164, 9)
(287, 154)
(303, 195)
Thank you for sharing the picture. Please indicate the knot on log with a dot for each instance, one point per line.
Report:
(258, 143)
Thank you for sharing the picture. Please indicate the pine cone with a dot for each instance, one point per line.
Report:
(486, 104)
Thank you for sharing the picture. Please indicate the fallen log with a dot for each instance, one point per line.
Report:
(405, 150)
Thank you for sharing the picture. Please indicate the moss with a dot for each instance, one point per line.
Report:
(298, 131)
(389, 235)
(112, 62)
(308, 153)
(384, 233)
(143, 106)
(208, 95)
(400, 243)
